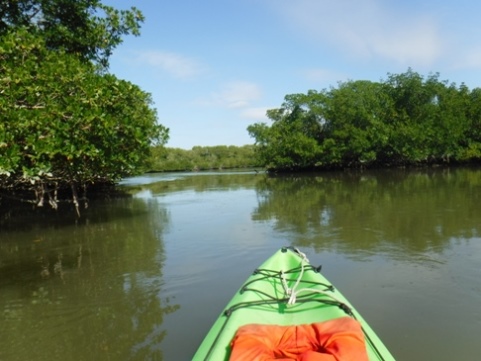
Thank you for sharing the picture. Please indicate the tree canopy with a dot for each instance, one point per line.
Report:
(86, 28)
(202, 158)
(404, 120)
(64, 121)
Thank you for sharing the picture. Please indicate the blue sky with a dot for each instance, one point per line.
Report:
(214, 67)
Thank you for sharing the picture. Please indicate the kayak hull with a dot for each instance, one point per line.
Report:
(264, 299)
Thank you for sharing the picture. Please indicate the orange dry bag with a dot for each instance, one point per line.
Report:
(339, 339)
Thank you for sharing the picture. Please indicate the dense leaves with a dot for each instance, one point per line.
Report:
(63, 124)
(404, 120)
(85, 28)
(202, 158)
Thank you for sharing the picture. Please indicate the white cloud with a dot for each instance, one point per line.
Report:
(176, 65)
(258, 113)
(323, 76)
(367, 29)
(471, 59)
(239, 94)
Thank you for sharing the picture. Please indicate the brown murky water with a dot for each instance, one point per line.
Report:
(143, 278)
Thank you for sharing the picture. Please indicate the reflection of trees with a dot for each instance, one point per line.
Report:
(201, 182)
(413, 209)
(88, 290)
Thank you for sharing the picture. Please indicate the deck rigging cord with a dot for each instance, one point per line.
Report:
(292, 294)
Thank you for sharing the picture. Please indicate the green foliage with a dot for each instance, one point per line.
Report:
(63, 123)
(202, 158)
(293, 140)
(404, 120)
(85, 28)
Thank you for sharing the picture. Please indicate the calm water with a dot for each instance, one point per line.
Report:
(144, 277)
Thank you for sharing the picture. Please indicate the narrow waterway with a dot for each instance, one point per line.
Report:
(143, 277)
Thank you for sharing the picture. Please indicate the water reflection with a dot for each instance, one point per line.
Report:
(144, 277)
(88, 289)
(414, 211)
(158, 184)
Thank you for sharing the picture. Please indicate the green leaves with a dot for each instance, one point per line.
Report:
(84, 28)
(61, 122)
(202, 158)
(406, 119)
(65, 122)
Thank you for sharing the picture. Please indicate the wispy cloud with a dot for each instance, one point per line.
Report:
(239, 94)
(470, 59)
(323, 76)
(257, 113)
(177, 65)
(367, 29)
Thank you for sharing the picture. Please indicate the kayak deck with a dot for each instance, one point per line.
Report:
(285, 290)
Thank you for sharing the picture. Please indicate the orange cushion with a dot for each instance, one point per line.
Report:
(339, 339)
